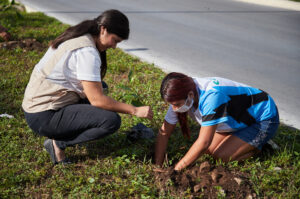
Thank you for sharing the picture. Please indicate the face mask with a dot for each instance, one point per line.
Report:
(184, 108)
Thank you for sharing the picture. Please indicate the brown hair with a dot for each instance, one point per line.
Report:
(174, 87)
(113, 20)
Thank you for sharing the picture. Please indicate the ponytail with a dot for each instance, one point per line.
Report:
(88, 26)
(183, 122)
(103, 64)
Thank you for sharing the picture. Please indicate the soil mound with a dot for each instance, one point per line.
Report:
(26, 44)
(206, 181)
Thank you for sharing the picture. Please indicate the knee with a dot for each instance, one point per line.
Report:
(114, 122)
(117, 122)
(210, 150)
(220, 155)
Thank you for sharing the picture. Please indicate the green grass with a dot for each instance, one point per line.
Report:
(112, 167)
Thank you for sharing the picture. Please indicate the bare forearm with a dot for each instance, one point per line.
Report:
(193, 154)
(109, 103)
(162, 142)
(160, 148)
(93, 91)
(198, 148)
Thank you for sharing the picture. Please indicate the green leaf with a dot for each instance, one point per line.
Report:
(137, 103)
(124, 87)
(91, 180)
(19, 15)
(130, 75)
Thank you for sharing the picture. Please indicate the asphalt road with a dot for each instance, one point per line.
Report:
(253, 44)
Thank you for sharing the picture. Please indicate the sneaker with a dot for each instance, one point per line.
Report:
(273, 145)
(48, 144)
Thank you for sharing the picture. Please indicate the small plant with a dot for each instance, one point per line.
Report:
(220, 192)
(12, 5)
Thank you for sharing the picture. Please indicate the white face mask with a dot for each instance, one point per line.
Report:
(184, 108)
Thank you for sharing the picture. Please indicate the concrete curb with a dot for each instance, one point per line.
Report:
(30, 9)
(27, 8)
(284, 4)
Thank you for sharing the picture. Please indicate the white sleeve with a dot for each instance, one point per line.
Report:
(88, 64)
(171, 116)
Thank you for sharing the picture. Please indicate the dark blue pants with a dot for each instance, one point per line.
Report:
(74, 124)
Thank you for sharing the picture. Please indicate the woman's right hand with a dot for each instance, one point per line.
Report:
(94, 93)
(144, 112)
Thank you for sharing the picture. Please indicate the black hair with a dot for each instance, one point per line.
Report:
(113, 20)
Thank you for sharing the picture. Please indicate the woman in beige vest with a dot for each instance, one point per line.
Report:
(64, 99)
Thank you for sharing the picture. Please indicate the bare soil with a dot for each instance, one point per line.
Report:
(26, 44)
(4, 34)
(206, 181)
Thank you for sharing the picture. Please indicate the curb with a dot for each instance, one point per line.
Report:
(27, 8)
(284, 4)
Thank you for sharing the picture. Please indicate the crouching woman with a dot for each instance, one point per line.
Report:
(236, 120)
(64, 99)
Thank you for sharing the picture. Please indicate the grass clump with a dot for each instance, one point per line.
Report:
(112, 167)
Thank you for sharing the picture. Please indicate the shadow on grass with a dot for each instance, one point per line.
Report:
(287, 139)
(116, 145)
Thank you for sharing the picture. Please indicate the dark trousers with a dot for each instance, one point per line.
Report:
(74, 124)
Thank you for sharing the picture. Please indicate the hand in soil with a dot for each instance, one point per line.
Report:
(169, 170)
(159, 170)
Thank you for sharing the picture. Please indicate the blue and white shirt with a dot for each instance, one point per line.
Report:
(228, 104)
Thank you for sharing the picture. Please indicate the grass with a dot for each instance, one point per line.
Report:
(112, 167)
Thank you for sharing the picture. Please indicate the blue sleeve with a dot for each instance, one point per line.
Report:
(213, 107)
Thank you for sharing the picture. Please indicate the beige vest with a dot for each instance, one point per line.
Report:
(42, 94)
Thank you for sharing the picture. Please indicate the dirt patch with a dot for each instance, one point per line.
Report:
(26, 44)
(4, 34)
(206, 181)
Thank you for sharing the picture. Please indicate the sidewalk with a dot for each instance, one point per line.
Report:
(284, 4)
